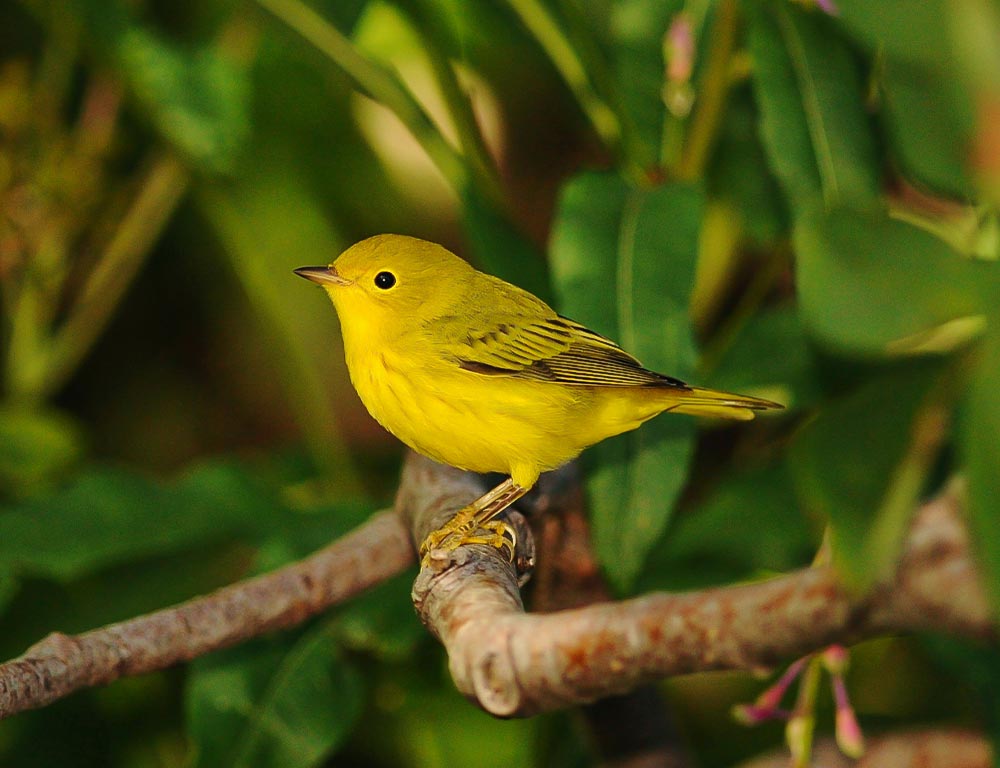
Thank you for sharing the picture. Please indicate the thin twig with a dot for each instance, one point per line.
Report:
(427, 24)
(714, 86)
(376, 81)
(61, 664)
(607, 124)
(161, 189)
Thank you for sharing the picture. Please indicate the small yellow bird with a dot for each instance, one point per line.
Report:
(474, 372)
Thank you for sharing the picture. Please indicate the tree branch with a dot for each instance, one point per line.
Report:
(61, 664)
(628, 731)
(517, 664)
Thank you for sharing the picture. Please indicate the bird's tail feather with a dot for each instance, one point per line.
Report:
(698, 401)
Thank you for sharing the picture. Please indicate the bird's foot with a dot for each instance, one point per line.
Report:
(459, 526)
(475, 524)
(501, 535)
(458, 532)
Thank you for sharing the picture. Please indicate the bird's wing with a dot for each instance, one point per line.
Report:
(550, 348)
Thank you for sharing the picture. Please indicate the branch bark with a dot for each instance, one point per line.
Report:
(515, 664)
(637, 729)
(61, 664)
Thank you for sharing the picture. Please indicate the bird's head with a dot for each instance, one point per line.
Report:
(389, 280)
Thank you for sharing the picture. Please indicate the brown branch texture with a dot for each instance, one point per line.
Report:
(61, 664)
(513, 663)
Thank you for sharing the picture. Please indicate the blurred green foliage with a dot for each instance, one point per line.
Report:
(637, 291)
(756, 195)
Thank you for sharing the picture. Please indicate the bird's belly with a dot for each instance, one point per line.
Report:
(470, 421)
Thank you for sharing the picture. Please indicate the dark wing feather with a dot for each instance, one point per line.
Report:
(553, 349)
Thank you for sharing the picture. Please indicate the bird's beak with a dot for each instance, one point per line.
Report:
(322, 275)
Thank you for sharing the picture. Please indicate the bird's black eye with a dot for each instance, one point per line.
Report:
(385, 280)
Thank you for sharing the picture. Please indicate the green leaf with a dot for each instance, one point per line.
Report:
(772, 358)
(419, 721)
(907, 30)
(623, 264)
(196, 97)
(980, 426)
(862, 465)
(635, 30)
(931, 126)
(739, 173)
(8, 588)
(872, 285)
(499, 248)
(109, 516)
(381, 622)
(974, 668)
(750, 523)
(809, 86)
(272, 704)
(35, 447)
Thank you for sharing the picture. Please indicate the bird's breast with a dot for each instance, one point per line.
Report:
(470, 421)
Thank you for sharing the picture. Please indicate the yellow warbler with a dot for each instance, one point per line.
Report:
(479, 374)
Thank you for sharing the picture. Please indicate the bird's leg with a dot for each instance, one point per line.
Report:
(465, 526)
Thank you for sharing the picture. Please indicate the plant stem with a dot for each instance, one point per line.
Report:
(54, 81)
(470, 137)
(760, 285)
(240, 218)
(713, 86)
(611, 126)
(802, 724)
(160, 192)
(24, 362)
(376, 81)
(672, 141)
